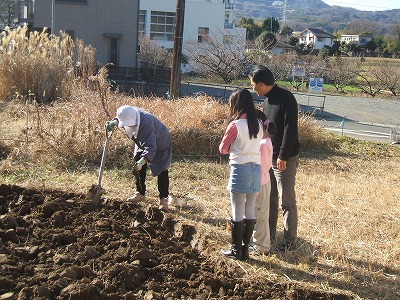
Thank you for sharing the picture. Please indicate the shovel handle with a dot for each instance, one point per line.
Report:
(103, 157)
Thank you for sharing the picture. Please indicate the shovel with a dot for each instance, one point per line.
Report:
(96, 190)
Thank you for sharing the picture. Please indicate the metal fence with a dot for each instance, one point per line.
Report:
(145, 73)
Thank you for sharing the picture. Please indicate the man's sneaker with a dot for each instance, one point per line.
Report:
(137, 197)
(163, 204)
(286, 246)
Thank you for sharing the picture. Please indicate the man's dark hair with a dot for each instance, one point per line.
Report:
(262, 74)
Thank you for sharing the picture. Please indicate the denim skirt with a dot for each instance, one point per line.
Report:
(245, 178)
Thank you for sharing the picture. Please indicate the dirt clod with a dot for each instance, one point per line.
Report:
(56, 246)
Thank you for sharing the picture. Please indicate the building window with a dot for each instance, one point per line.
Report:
(72, 1)
(203, 34)
(227, 18)
(162, 26)
(142, 21)
(320, 39)
(114, 52)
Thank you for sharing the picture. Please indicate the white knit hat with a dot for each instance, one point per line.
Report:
(128, 116)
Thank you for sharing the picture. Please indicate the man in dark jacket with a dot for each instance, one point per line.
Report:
(280, 107)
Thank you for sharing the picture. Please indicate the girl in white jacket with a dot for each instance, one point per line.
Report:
(242, 142)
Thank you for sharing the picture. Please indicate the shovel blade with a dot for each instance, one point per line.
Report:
(94, 194)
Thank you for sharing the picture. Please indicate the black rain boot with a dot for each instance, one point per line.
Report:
(237, 236)
(247, 236)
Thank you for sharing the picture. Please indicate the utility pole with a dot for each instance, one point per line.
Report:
(177, 53)
(53, 12)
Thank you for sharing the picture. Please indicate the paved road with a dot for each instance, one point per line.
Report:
(363, 118)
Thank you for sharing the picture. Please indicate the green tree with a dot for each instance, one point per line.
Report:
(266, 40)
(324, 52)
(286, 31)
(380, 45)
(335, 48)
(293, 41)
(270, 24)
(370, 45)
(253, 30)
(394, 43)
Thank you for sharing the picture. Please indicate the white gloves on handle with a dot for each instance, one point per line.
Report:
(139, 164)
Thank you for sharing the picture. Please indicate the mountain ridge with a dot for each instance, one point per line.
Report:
(300, 14)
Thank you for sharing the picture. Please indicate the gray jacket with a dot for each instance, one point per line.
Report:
(155, 138)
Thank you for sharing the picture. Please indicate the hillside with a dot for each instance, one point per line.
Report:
(315, 13)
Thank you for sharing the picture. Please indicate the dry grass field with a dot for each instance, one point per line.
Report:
(348, 190)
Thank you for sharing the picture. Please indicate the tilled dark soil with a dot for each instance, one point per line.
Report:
(55, 245)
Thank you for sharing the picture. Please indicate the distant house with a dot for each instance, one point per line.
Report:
(316, 37)
(360, 40)
(282, 48)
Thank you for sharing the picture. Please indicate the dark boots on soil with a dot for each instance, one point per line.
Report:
(237, 229)
(247, 237)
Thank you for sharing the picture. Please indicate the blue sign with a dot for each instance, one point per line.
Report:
(316, 85)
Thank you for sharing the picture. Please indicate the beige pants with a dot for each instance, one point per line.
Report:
(261, 237)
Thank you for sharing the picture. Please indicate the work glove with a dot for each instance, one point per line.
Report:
(139, 164)
(110, 125)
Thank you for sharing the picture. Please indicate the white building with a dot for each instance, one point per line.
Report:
(317, 38)
(282, 48)
(357, 39)
(203, 19)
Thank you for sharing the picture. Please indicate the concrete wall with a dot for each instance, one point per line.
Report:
(95, 23)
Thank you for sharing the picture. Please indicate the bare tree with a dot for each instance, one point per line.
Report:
(218, 57)
(341, 72)
(388, 76)
(8, 9)
(368, 81)
(259, 52)
(151, 53)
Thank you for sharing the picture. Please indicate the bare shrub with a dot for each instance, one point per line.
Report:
(151, 52)
(40, 65)
(312, 136)
(72, 132)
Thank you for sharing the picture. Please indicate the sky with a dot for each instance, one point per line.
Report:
(370, 5)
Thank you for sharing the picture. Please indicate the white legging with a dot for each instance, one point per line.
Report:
(243, 206)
